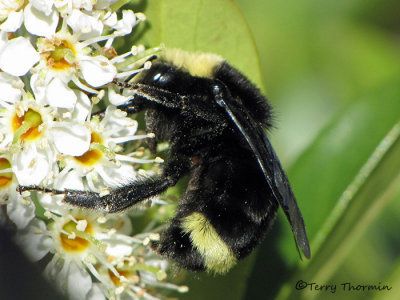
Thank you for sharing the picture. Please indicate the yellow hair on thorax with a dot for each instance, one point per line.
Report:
(218, 257)
(197, 64)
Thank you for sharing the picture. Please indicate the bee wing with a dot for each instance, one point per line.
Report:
(272, 169)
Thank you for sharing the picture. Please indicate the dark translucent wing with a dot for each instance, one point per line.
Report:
(272, 169)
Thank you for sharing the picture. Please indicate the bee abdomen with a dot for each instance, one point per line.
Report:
(218, 256)
(193, 243)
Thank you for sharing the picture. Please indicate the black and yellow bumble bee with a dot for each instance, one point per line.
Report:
(215, 121)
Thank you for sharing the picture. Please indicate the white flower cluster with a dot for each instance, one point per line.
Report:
(53, 72)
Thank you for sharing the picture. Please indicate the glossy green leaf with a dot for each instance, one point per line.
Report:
(215, 26)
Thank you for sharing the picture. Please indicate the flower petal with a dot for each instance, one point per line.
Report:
(82, 107)
(79, 282)
(39, 87)
(10, 87)
(13, 22)
(98, 70)
(31, 166)
(116, 176)
(118, 124)
(58, 94)
(111, 20)
(20, 212)
(3, 39)
(70, 138)
(115, 97)
(44, 6)
(87, 26)
(95, 293)
(116, 248)
(18, 56)
(37, 23)
(125, 25)
(33, 240)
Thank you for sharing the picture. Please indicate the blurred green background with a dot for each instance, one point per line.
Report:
(331, 69)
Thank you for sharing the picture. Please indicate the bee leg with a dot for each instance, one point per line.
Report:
(147, 96)
(116, 200)
(122, 197)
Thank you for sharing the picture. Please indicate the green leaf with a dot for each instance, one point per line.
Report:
(393, 283)
(320, 176)
(374, 185)
(373, 188)
(215, 26)
(326, 169)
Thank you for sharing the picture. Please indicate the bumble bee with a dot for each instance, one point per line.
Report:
(215, 121)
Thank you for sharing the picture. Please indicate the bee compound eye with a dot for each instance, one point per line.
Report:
(157, 77)
(163, 79)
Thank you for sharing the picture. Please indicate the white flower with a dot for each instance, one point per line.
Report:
(115, 98)
(66, 6)
(19, 210)
(96, 293)
(71, 138)
(39, 17)
(104, 4)
(52, 70)
(24, 122)
(58, 94)
(65, 180)
(124, 26)
(35, 240)
(65, 59)
(102, 160)
(33, 165)
(24, 127)
(45, 6)
(97, 71)
(84, 25)
(11, 12)
(13, 22)
(10, 87)
(8, 182)
(40, 22)
(82, 108)
(17, 56)
(79, 249)
(70, 277)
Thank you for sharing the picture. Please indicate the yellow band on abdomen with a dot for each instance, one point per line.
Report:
(218, 257)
